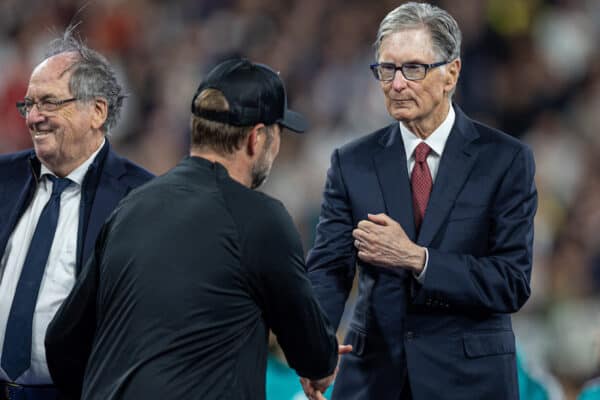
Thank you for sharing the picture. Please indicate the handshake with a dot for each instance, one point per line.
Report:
(314, 388)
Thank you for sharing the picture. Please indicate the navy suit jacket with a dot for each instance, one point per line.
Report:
(108, 180)
(452, 335)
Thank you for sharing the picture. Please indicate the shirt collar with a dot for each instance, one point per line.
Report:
(437, 140)
(78, 173)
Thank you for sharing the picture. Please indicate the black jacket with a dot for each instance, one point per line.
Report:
(188, 276)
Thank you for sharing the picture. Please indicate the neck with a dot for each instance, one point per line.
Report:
(238, 170)
(423, 128)
(63, 168)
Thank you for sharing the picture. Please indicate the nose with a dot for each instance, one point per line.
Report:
(34, 116)
(399, 82)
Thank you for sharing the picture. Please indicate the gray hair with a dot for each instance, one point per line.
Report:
(445, 33)
(92, 75)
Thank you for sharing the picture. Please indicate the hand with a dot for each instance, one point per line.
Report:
(314, 388)
(344, 349)
(381, 241)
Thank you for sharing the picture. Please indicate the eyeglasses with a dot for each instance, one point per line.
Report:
(44, 105)
(411, 71)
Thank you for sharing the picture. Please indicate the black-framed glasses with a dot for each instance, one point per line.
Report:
(44, 105)
(411, 71)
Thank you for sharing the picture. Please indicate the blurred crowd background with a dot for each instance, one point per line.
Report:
(530, 68)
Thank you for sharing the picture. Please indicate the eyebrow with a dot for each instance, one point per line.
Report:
(44, 97)
(404, 63)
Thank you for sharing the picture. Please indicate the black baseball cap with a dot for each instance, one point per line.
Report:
(255, 94)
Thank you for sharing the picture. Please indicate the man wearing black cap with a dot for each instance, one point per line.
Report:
(192, 270)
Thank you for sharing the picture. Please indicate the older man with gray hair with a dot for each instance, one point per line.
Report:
(54, 200)
(436, 213)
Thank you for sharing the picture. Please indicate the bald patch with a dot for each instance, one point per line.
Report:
(58, 65)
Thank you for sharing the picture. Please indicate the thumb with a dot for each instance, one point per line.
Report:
(379, 219)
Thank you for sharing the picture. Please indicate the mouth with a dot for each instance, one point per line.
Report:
(401, 103)
(39, 133)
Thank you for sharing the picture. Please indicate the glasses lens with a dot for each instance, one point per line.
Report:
(386, 72)
(413, 72)
(49, 105)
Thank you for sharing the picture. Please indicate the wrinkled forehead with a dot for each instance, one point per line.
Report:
(415, 42)
(52, 73)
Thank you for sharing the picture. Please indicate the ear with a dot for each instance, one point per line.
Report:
(254, 138)
(452, 74)
(100, 112)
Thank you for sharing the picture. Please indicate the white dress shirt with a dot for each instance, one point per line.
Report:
(59, 275)
(437, 142)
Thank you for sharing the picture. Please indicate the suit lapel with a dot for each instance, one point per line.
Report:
(390, 165)
(16, 196)
(109, 192)
(455, 166)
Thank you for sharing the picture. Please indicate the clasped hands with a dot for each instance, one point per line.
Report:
(314, 388)
(381, 241)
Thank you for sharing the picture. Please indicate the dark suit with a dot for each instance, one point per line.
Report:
(107, 181)
(452, 336)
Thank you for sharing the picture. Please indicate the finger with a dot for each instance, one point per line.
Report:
(358, 234)
(380, 219)
(344, 348)
(366, 225)
(384, 220)
(362, 235)
(364, 256)
(319, 396)
(307, 388)
(357, 244)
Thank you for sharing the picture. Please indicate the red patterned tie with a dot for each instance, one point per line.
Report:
(421, 183)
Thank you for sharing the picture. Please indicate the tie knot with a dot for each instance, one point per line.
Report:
(58, 184)
(421, 152)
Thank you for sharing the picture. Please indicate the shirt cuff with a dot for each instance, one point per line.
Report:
(421, 277)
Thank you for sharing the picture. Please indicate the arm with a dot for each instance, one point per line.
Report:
(286, 297)
(331, 262)
(70, 335)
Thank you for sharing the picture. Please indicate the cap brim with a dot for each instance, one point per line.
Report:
(294, 121)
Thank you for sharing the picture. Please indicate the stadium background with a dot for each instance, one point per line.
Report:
(530, 68)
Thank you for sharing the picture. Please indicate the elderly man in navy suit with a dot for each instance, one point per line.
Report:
(54, 199)
(436, 213)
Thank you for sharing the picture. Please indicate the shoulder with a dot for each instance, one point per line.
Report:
(498, 138)
(135, 172)
(254, 202)
(495, 141)
(16, 164)
(130, 172)
(505, 150)
(493, 145)
(271, 228)
(256, 213)
(18, 157)
(369, 142)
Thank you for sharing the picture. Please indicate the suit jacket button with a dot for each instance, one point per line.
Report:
(409, 335)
